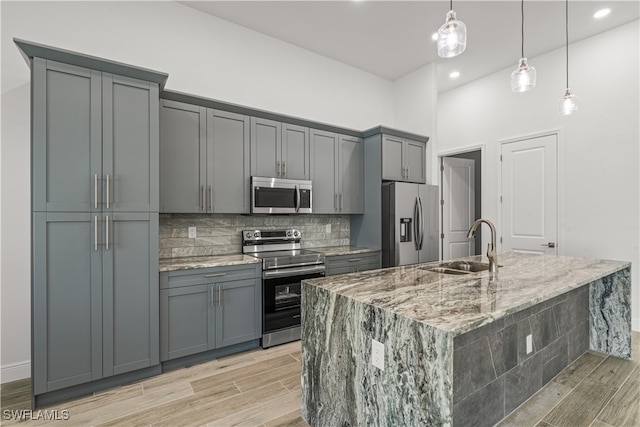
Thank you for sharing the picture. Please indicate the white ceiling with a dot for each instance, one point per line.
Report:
(393, 38)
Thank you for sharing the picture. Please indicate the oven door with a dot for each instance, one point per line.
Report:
(281, 294)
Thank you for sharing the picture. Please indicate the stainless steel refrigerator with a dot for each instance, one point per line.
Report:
(409, 223)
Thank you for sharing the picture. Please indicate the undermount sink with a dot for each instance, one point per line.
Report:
(459, 267)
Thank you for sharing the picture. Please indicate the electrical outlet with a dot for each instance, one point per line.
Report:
(192, 232)
(377, 354)
(327, 228)
(529, 343)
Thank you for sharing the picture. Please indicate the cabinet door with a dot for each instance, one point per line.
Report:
(229, 162)
(324, 154)
(130, 135)
(352, 175)
(415, 161)
(392, 166)
(183, 159)
(66, 126)
(295, 152)
(238, 312)
(187, 321)
(266, 144)
(130, 292)
(67, 300)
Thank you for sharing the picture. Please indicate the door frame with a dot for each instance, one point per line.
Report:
(560, 184)
(483, 162)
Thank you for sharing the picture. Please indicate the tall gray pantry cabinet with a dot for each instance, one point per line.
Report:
(95, 224)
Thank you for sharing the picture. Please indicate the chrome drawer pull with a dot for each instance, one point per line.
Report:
(216, 275)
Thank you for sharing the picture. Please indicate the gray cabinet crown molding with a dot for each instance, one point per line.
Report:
(31, 50)
(394, 132)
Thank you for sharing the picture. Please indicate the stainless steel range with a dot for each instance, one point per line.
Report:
(284, 266)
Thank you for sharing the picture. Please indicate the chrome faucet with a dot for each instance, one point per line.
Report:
(491, 247)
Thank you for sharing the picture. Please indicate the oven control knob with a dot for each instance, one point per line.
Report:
(288, 233)
(296, 233)
(248, 235)
(256, 234)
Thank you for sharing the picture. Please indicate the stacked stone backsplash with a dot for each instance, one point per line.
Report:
(221, 234)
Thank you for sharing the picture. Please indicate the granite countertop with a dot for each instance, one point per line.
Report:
(173, 264)
(459, 303)
(342, 250)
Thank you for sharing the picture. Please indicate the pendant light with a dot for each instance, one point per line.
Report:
(523, 78)
(452, 36)
(568, 103)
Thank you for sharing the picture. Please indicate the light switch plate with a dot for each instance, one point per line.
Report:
(377, 354)
(192, 232)
(327, 228)
(529, 343)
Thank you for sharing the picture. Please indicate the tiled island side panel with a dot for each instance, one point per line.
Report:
(340, 385)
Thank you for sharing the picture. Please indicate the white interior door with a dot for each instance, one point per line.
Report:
(458, 209)
(530, 195)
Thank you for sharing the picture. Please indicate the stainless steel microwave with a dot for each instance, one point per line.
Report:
(280, 195)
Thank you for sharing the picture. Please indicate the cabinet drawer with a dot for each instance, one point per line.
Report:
(342, 264)
(203, 276)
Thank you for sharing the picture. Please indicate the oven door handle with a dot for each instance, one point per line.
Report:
(293, 272)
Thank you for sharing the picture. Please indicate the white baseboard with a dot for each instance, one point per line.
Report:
(15, 371)
(635, 325)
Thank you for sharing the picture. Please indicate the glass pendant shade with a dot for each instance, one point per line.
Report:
(568, 104)
(524, 77)
(452, 37)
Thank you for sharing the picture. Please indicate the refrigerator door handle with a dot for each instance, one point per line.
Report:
(421, 222)
(416, 224)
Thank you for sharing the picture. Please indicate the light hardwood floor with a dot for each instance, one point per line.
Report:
(262, 388)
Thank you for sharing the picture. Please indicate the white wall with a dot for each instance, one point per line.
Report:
(599, 152)
(203, 55)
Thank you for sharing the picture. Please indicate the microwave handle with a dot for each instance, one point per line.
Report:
(297, 198)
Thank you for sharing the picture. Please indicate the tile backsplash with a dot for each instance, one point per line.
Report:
(220, 234)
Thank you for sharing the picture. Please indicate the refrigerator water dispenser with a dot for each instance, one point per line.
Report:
(405, 229)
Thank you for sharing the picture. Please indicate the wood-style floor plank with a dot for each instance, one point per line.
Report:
(624, 407)
(535, 409)
(579, 369)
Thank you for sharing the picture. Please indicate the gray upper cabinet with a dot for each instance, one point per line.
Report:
(95, 225)
(279, 150)
(351, 183)
(183, 157)
(228, 160)
(204, 160)
(338, 173)
(403, 159)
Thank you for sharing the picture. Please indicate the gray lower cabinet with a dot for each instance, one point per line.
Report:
(352, 263)
(279, 150)
(209, 308)
(94, 225)
(403, 159)
(204, 160)
(337, 173)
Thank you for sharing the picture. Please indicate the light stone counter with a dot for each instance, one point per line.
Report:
(173, 264)
(454, 345)
(343, 250)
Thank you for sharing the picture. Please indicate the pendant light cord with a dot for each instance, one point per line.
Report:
(566, 14)
(450, 4)
(522, 38)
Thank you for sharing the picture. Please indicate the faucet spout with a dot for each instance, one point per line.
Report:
(491, 247)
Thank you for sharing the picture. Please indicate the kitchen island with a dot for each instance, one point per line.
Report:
(409, 346)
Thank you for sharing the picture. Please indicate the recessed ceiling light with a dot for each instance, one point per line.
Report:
(434, 36)
(602, 13)
(454, 74)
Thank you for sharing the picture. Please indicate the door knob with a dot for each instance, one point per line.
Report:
(550, 244)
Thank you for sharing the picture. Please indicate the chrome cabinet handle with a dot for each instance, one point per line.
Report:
(216, 275)
(219, 295)
(202, 204)
(284, 169)
(106, 229)
(355, 260)
(278, 169)
(95, 191)
(108, 179)
(408, 172)
(341, 202)
(95, 232)
(337, 204)
(212, 302)
(210, 199)
(549, 245)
